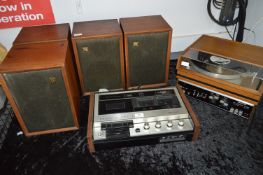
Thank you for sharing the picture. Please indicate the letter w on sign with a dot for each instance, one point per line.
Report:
(14, 13)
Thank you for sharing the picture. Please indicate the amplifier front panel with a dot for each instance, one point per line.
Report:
(100, 63)
(147, 54)
(224, 102)
(41, 99)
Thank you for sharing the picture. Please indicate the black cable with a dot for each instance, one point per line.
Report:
(218, 4)
(232, 37)
(234, 33)
(240, 19)
(250, 30)
(232, 22)
(241, 22)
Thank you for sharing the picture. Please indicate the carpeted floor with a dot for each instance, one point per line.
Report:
(224, 147)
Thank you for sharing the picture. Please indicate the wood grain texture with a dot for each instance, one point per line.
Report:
(99, 28)
(122, 63)
(168, 56)
(243, 52)
(72, 87)
(44, 33)
(77, 61)
(112, 90)
(126, 58)
(91, 147)
(144, 24)
(35, 57)
(29, 134)
(252, 115)
(191, 113)
(147, 86)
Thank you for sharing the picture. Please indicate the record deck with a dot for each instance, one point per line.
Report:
(223, 73)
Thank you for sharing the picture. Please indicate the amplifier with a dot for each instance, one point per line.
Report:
(221, 100)
(140, 117)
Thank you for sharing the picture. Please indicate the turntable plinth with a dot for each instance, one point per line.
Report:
(220, 66)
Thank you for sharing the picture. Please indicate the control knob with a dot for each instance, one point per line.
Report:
(158, 125)
(181, 123)
(169, 124)
(216, 97)
(146, 126)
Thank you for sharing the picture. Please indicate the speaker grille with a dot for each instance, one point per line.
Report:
(147, 55)
(100, 63)
(41, 99)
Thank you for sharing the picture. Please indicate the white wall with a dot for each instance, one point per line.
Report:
(188, 18)
(254, 21)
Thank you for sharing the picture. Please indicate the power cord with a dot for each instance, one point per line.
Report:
(240, 19)
(232, 37)
(252, 29)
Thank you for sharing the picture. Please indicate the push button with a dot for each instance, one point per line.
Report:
(146, 126)
(158, 125)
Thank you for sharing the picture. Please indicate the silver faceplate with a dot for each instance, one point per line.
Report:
(139, 118)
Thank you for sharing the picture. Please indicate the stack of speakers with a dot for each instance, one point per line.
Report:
(39, 80)
(100, 48)
(41, 76)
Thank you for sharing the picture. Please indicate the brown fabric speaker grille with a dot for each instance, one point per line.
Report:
(41, 99)
(147, 55)
(100, 63)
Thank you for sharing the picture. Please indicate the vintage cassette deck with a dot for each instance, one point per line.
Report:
(223, 73)
(139, 117)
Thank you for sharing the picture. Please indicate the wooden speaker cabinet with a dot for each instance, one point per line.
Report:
(40, 83)
(147, 42)
(44, 33)
(98, 49)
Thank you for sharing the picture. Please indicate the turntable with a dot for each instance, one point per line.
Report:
(223, 73)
